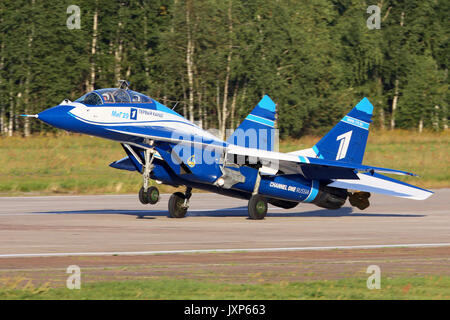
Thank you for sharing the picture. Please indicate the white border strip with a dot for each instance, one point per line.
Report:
(137, 253)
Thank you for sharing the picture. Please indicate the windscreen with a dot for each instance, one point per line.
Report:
(90, 98)
(113, 95)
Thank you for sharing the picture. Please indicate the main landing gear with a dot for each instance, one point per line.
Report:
(257, 205)
(179, 203)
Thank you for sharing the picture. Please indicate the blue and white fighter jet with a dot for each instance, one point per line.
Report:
(162, 145)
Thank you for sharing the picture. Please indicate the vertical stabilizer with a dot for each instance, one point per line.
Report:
(258, 128)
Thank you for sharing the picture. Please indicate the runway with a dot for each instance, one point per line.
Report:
(68, 225)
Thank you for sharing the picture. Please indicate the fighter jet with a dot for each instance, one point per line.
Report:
(162, 145)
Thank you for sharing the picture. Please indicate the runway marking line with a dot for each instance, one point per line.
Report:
(138, 253)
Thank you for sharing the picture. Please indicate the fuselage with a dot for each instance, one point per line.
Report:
(100, 114)
(164, 146)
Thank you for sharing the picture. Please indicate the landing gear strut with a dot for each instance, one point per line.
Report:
(147, 194)
(257, 205)
(179, 203)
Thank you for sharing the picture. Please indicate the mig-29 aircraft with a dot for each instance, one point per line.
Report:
(164, 146)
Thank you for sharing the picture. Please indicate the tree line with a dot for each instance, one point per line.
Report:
(214, 59)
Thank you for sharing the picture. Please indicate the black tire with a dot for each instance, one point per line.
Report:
(152, 195)
(143, 196)
(176, 205)
(257, 207)
(359, 200)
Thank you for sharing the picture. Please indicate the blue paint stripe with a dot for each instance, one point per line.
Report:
(356, 122)
(303, 159)
(316, 150)
(314, 191)
(260, 120)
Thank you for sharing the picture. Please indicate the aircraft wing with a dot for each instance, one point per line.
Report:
(170, 135)
(334, 173)
(312, 168)
(337, 174)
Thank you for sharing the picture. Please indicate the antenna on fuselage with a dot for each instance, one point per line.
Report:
(124, 84)
(173, 108)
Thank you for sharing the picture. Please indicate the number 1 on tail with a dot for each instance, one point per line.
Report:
(343, 146)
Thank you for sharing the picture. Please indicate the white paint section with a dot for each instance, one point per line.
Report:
(137, 253)
(264, 154)
(75, 104)
(120, 116)
(305, 153)
(116, 115)
(268, 171)
(369, 183)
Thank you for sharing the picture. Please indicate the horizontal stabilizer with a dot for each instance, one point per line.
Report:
(326, 173)
(290, 163)
(354, 166)
(378, 183)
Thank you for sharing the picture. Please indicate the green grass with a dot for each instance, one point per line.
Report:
(391, 288)
(63, 164)
(78, 164)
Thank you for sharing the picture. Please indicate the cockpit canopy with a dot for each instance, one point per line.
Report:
(113, 95)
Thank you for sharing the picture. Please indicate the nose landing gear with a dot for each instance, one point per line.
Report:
(147, 194)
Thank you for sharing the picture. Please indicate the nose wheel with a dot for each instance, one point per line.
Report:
(179, 204)
(257, 205)
(149, 196)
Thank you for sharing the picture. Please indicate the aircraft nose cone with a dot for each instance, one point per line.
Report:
(56, 116)
(50, 116)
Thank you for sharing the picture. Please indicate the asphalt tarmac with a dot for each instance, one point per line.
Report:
(119, 224)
